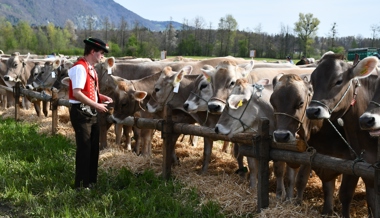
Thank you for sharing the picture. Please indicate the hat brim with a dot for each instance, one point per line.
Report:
(105, 49)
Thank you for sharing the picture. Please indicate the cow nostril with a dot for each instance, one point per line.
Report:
(186, 106)
(216, 130)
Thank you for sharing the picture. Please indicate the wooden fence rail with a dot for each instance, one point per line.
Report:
(258, 145)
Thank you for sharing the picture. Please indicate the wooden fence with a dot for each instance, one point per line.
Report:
(258, 145)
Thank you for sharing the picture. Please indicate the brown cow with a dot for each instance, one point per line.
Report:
(18, 70)
(341, 93)
(164, 94)
(292, 125)
(130, 71)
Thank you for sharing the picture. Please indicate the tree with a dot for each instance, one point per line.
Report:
(374, 28)
(226, 31)
(7, 35)
(306, 29)
(70, 28)
(25, 35)
(333, 34)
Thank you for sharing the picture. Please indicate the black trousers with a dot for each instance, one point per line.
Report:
(87, 140)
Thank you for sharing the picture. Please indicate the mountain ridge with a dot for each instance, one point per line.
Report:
(42, 12)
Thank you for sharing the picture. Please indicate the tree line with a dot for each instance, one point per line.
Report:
(195, 39)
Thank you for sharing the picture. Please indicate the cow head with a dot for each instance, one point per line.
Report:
(335, 85)
(245, 105)
(223, 79)
(127, 99)
(33, 74)
(104, 70)
(291, 122)
(201, 93)
(18, 69)
(166, 86)
(370, 119)
(48, 74)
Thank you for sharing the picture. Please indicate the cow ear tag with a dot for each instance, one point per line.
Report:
(340, 122)
(176, 88)
(53, 74)
(240, 103)
(109, 71)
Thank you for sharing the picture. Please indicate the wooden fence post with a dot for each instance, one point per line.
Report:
(16, 94)
(263, 175)
(54, 111)
(377, 182)
(168, 145)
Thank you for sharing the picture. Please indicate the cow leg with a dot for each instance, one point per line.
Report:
(207, 149)
(291, 174)
(37, 108)
(370, 196)
(279, 172)
(26, 103)
(328, 197)
(253, 165)
(346, 192)
(45, 107)
(137, 136)
(128, 132)
(146, 142)
(103, 129)
(239, 158)
(10, 99)
(118, 132)
(225, 146)
(301, 181)
(193, 140)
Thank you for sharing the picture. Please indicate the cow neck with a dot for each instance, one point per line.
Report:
(353, 101)
(260, 89)
(176, 99)
(138, 102)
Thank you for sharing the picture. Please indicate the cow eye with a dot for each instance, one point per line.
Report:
(338, 82)
(203, 86)
(301, 104)
(156, 89)
(232, 84)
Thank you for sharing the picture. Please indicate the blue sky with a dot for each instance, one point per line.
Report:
(353, 17)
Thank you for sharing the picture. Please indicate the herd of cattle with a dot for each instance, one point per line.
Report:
(332, 105)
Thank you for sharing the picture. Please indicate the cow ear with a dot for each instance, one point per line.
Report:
(116, 79)
(140, 95)
(263, 82)
(207, 76)
(66, 81)
(178, 78)
(235, 101)
(365, 67)
(276, 79)
(110, 62)
(208, 73)
(247, 68)
(68, 64)
(56, 63)
(187, 69)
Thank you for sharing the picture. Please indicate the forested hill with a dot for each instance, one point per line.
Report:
(41, 12)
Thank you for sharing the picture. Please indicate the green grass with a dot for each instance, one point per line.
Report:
(37, 173)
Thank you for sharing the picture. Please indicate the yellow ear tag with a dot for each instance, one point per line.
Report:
(208, 79)
(240, 103)
(364, 70)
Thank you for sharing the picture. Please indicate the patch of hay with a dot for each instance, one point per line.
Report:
(220, 183)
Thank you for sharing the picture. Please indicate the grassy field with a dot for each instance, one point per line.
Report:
(37, 175)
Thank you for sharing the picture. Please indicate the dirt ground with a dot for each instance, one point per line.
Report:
(220, 184)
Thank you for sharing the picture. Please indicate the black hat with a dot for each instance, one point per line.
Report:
(97, 42)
